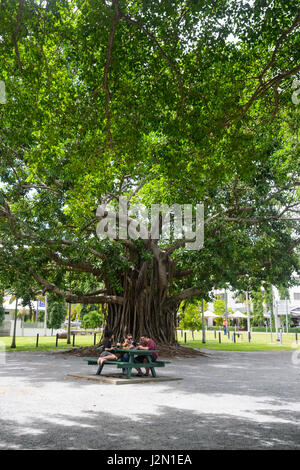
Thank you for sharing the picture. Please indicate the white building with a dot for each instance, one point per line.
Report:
(9, 306)
(293, 304)
(22, 329)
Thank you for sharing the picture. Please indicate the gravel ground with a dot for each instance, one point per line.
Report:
(229, 400)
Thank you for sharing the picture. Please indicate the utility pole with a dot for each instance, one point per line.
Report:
(13, 343)
(287, 314)
(226, 313)
(69, 326)
(45, 317)
(203, 324)
(275, 313)
(37, 313)
(248, 312)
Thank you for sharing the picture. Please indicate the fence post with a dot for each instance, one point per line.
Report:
(215, 333)
(95, 334)
(296, 338)
(249, 336)
(219, 337)
(56, 339)
(185, 336)
(73, 339)
(234, 338)
(37, 340)
(281, 337)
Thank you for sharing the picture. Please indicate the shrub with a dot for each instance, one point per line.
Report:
(93, 319)
(56, 313)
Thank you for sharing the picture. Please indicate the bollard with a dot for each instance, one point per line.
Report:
(185, 337)
(219, 337)
(37, 340)
(73, 339)
(95, 334)
(249, 336)
(56, 339)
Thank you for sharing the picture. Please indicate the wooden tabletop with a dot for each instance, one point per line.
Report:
(136, 351)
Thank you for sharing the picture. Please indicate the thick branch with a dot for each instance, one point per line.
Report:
(16, 32)
(186, 294)
(279, 42)
(73, 298)
(84, 267)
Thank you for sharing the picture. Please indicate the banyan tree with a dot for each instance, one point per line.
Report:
(170, 103)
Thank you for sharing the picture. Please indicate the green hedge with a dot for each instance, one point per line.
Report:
(263, 329)
(255, 329)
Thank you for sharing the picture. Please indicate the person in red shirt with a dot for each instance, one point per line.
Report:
(146, 343)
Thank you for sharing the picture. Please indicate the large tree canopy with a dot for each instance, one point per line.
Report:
(169, 102)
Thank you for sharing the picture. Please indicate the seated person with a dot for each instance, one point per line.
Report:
(128, 344)
(107, 353)
(146, 343)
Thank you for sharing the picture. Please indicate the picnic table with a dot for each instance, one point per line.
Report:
(130, 364)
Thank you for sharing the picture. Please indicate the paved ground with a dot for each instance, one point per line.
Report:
(231, 400)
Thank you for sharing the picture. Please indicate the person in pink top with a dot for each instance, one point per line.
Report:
(146, 343)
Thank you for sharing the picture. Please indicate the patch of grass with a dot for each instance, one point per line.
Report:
(259, 342)
(46, 343)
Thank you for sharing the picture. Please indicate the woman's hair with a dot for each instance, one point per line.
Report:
(108, 333)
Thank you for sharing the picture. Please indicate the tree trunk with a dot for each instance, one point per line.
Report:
(146, 307)
(69, 326)
(13, 343)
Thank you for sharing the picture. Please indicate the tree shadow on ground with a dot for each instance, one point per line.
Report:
(224, 402)
(170, 429)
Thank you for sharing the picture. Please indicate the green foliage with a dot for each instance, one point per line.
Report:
(93, 319)
(283, 321)
(56, 312)
(219, 309)
(191, 315)
(192, 114)
(269, 303)
(283, 292)
(257, 299)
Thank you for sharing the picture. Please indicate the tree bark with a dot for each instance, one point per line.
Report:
(146, 306)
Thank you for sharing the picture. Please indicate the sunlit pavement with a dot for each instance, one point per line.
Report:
(229, 400)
